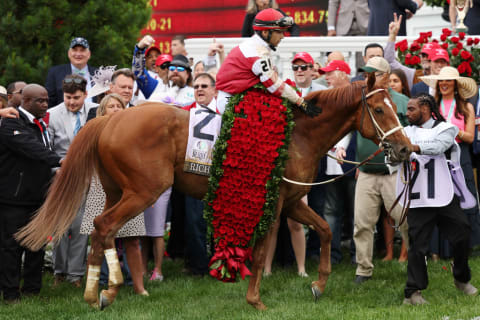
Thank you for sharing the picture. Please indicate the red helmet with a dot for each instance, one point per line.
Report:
(271, 19)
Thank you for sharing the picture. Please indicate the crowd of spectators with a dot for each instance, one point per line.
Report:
(39, 123)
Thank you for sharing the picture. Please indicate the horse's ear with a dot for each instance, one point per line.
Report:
(371, 81)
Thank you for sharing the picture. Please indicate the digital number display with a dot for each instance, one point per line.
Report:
(224, 18)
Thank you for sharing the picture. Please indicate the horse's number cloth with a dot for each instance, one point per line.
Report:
(203, 131)
(434, 178)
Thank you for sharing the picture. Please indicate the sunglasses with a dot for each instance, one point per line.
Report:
(74, 80)
(179, 69)
(198, 86)
(164, 66)
(304, 67)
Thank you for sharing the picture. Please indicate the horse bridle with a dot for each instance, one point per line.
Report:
(379, 132)
(383, 146)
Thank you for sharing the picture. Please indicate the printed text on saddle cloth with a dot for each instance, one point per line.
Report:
(203, 131)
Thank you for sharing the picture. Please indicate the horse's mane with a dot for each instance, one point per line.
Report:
(345, 96)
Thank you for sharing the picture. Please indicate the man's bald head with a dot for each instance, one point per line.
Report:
(35, 99)
(335, 55)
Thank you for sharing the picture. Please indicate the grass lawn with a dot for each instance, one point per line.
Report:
(286, 295)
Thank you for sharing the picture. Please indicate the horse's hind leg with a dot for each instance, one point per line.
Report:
(95, 258)
(258, 263)
(305, 215)
(107, 225)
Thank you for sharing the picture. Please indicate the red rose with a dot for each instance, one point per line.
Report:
(465, 54)
(459, 45)
(402, 45)
(443, 37)
(415, 46)
(454, 39)
(469, 41)
(476, 40)
(445, 46)
(415, 60)
(461, 35)
(465, 68)
(446, 31)
(455, 51)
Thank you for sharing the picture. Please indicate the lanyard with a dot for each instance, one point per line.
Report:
(450, 112)
(478, 103)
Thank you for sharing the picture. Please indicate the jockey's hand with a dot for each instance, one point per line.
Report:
(340, 154)
(310, 109)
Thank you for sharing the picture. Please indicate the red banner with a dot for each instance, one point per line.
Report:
(222, 18)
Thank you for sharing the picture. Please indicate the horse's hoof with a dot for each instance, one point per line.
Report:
(144, 293)
(259, 306)
(104, 302)
(316, 292)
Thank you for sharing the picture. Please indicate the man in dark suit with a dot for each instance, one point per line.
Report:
(78, 54)
(381, 13)
(25, 173)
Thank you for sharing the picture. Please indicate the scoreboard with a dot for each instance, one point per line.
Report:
(224, 18)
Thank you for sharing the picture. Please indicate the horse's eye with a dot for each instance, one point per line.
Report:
(378, 110)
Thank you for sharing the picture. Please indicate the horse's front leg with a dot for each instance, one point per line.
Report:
(258, 263)
(305, 215)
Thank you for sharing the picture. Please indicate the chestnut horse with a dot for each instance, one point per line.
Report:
(138, 153)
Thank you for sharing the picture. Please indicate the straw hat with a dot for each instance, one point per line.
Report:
(101, 81)
(467, 87)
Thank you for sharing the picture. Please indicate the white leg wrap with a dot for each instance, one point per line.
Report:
(91, 287)
(115, 274)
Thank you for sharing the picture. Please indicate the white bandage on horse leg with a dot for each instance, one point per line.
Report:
(91, 288)
(115, 274)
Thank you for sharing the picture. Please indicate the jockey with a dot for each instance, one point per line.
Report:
(249, 63)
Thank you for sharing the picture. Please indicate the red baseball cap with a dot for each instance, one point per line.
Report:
(152, 48)
(304, 57)
(161, 59)
(439, 53)
(429, 47)
(335, 65)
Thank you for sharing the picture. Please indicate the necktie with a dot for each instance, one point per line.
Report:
(43, 130)
(78, 124)
(79, 72)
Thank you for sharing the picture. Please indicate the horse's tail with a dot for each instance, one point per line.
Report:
(67, 191)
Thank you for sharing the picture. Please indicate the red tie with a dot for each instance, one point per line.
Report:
(42, 130)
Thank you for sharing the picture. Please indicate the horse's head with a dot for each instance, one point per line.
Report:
(377, 120)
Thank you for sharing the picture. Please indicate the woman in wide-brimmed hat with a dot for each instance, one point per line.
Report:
(451, 94)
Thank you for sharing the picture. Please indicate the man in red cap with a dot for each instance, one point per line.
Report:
(439, 58)
(250, 63)
(161, 67)
(151, 55)
(390, 54)
(303, 71)
(336, 73)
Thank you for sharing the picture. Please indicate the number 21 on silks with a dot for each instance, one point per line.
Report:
(431, 183)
